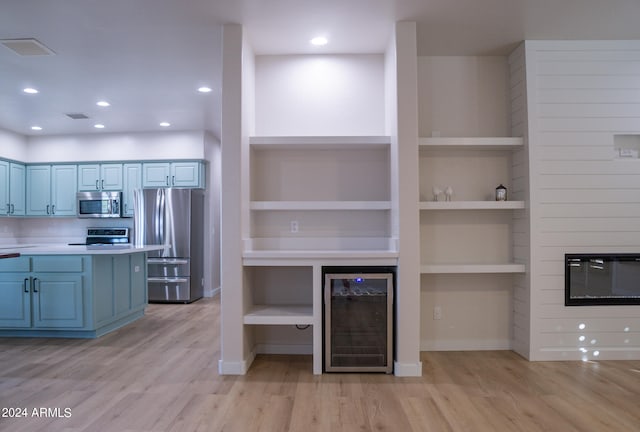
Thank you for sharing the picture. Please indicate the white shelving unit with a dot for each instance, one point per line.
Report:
(335, 191)
(464, 154)
(471, 205)
(471, 268)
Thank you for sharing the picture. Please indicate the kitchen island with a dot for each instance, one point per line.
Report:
(71, 291)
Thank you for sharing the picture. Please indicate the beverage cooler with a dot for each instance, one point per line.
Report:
(358, 319)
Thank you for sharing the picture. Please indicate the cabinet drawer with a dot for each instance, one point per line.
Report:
(58, 264)
(168, 267)
(12, 265)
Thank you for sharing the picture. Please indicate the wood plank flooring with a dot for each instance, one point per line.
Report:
(160, 374)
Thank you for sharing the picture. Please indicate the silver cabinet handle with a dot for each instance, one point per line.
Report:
(173, 180)
(125, 207)
(97, 187)
(33, 284)
(26, 285)
(13, 209)
(167, 180)
(48, 209)
(102, 184)
(53, 209)
(8, 208)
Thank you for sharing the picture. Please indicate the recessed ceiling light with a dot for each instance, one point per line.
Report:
(30, 90)
(36, 128)
(165, 124)
(98, 126)
(319, 41)
(103, 103)
(204, 89)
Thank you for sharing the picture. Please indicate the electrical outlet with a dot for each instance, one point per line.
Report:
(437, 312)
(294, 226)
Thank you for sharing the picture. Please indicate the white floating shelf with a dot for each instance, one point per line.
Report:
(280, 315)
(472, 268)
(471, 205)
(468, 143)
(320, 205)
(319, 142)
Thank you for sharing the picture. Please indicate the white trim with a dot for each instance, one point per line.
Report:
(320, 205)
(280, 315)
(467, 143)
(465, 345)
(472, 268)
(211, 292)
(319, 142)
(236, 367)
(471, 205)
(407, 369)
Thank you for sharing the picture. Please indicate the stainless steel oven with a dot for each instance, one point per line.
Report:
(99, 204)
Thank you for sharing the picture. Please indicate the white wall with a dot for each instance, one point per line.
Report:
(116, 147)
(212, 214)
(306, 95)
(12, 145)
(582, 93)
(460, 96)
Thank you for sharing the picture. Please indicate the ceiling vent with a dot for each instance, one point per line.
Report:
(27, 47)
(77, 116)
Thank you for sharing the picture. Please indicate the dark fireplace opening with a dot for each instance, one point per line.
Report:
(602, 279)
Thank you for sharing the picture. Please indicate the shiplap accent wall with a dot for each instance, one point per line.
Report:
(520, 191)
(581, 94)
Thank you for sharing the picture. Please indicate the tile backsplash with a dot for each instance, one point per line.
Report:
(52, 230)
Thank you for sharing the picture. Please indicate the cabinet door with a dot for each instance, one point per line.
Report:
(63, 190)
(17, 190)
(38, 190)
(58, 300)
(89, 177)
(4, 188)
(15, 307)
(111, 177)
(156, 174)
(185, 174)
(132, 180)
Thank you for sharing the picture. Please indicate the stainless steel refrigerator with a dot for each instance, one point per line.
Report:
(173, 218)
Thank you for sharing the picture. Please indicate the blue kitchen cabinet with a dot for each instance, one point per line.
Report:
(132, 173)
(82, 296)
(15, 300)
(49, 298)
(17, 189)
(12, 188)
(99, 177)
(51, 190)
(187, 174)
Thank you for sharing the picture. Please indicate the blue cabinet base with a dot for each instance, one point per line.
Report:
(74, 334)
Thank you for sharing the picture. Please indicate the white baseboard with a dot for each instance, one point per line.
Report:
(465, 345)
(211, 292)
(407, 369)
(236, 367)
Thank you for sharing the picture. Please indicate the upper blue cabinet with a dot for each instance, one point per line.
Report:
(99, 177)
(51, 190)
(12, 188)
(188, 174)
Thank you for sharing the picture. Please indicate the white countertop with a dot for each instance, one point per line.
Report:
(59, 249)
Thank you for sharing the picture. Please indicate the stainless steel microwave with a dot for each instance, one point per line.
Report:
(99, 204)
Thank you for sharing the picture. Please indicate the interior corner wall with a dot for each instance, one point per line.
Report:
(13, 146)
(319, 95)
(212, 214)
(581, 94)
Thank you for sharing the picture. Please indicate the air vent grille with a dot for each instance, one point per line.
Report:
(27, 47)
(77, 116)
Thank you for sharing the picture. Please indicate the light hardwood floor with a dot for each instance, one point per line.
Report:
(160, 374)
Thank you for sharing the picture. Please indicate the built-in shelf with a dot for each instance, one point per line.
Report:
(295, 254)
(320, 205)
(470, 143)
(319, 142)
(280, 315)
(472, 268)
(471, 205)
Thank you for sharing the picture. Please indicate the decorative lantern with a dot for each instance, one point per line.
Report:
(501, 193)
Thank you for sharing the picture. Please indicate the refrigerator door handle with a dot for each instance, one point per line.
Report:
(167, 261)
(167, 279)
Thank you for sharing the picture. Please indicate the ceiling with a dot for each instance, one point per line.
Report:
(148, 57)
